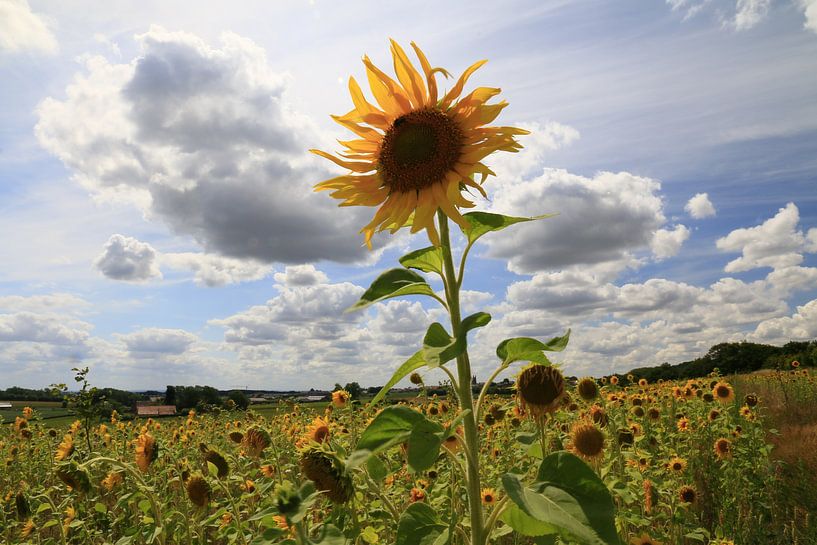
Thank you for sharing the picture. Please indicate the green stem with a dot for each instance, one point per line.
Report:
(498, 509)
(235, 509)
(484, 391)
(452, 293)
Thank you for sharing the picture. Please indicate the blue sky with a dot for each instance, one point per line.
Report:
(159, 225)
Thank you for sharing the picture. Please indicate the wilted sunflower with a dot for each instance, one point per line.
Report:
(255, 441)
(217, 459)
(198, 490)
(146, 451)
(587, 389)
(587, 440)
(328, 473)
(74, 477)
(65, 448)
(111, 480)
(687, 494)
(723, 448)
(645, 539)
(540, 389)
(416, 151)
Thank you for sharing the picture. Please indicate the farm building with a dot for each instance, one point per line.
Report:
(5, 404)
(144, 409)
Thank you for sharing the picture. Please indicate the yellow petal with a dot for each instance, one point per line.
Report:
(368, 133)
(386, 91)
(354, 167)
(408, 76)
(457, 89)
(425, 210)
(431, 81)
(442, 201)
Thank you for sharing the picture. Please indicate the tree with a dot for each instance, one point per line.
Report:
(240, 399)
(170, 395)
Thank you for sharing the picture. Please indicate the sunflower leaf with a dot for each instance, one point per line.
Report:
(428, 259)
(481, 223)
(439, 347)
(419, 525)
(526, 348)
(393, 283)
(410, 365)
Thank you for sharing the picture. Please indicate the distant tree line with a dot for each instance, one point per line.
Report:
(203, 398)
(733, 358)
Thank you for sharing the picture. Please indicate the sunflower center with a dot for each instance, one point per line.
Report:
(419, 149)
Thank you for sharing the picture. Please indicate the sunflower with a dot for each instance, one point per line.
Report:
(318, 431)
(723, 392)
(198, 490)
(488, 496)
(255, 441)
(146, 451)
(587, 389)
(587, 440)
(677, 465)
(416, 151)
(540, 389)
(687, 494)
(723, 448)
(340, 398)
(328, 473)
(111, 480)
(645, 539)
(65, 448)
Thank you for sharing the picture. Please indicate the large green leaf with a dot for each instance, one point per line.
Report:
(408, 366)
(528, 349)
(568, 472)
(570, 497)
(428, 259)
(393, 283)
(393, 425)
(424, 445)
(525, 524)
(419, 525)
(480, 223)
(439, 347)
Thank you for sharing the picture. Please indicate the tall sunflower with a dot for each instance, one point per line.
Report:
(416, 152)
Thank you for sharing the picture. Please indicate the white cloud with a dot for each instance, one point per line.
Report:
(204, 139)
(667, 243)
(802, 325)
(749, 13)
(776, 243)
(604, 219)
(125, 258)
(810, 12)
(301, 275)
(21, 29)
(42, 328)
(700, 206)
(44, 303)
(153, 342)
(214, 270)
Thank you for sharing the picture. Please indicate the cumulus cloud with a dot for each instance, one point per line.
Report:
(667, 243)
(301, 275)
(214, 270)
(601, 219)
(700, 206)
(800, 326)
(128, 259)
(153, 342)
(810, 11)
(776, 243)
(204, 139)
(44, 303)
(21, 29)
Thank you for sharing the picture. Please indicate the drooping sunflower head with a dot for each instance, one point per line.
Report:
(687, 494)
(217, 459)
(328, 473)
(587, 389)
(416, 152)
(587, 440)
(75, 477)
(540, 389)
(723, 448)
(255, 441)
(198, 490)
(146, 451)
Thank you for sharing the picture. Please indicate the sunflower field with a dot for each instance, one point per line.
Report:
(681, 463)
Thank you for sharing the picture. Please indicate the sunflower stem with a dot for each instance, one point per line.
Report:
(452, 294)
